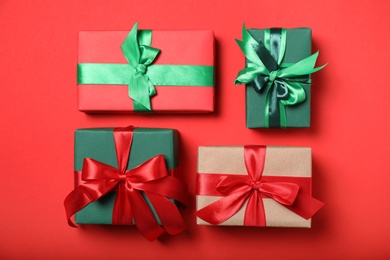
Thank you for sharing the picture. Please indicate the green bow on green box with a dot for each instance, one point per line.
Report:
(282, 83)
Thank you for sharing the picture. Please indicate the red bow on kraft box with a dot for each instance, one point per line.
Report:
(137, 190)
(255, 199)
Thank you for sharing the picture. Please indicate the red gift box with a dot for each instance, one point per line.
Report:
(183, 48)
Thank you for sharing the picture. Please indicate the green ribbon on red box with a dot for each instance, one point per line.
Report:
(140, 74)
(283, 83)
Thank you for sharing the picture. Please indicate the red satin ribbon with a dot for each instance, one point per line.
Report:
(151, 177)
(291, 192)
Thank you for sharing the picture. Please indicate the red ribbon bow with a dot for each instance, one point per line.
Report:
(150, 178)
(239, 188)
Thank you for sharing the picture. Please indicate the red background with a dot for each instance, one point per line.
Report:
(349, 132)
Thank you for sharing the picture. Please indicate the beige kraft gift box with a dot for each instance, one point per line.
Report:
(279, 161)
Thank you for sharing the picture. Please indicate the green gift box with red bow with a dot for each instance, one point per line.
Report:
(125, 176)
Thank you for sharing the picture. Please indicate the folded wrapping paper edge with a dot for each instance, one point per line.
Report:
(230, 160)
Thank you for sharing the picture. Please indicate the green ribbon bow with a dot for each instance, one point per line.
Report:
(139, 54)
(264, 70)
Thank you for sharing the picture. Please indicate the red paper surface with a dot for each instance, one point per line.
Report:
(348, 133)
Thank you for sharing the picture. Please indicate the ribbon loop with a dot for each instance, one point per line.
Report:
(284, 193)
(282, 91)
(264, 67)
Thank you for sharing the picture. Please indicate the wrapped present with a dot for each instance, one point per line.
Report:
(146, 71)
(125, 176)
(255, 186)
(277, 76)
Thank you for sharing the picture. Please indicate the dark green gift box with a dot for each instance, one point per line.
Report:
(298, 47)
(98, 143)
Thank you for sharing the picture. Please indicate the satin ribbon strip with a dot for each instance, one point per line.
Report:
(281, 83)
(291, 192)
(149, 181)
(140, 74)
(160, 75)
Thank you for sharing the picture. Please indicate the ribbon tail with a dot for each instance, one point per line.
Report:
(305, 206)
(247, 47)
(223, 209)
(254, 213)
(84, 194)
(122, 213)
(168, 186)
(75, 201)
(138, 107)
(130, 47)
(143, 217)
(303, 67)
(249, 74)
(139, 90)
(168, 213)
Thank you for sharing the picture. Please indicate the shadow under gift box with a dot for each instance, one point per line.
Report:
(279, 161)
(98, 143)
(298, 47)
(178, 48)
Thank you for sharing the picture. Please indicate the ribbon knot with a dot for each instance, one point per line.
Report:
(141, 68)
(272, 76)
(122, 177)
(264, 70)
(255, 185)
(137, 51)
